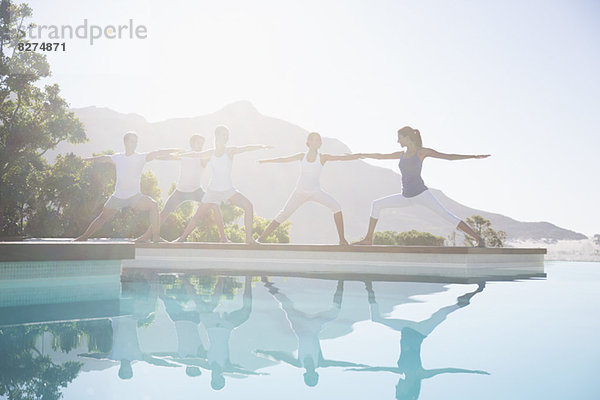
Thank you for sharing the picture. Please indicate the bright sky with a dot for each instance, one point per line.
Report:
(517, 79)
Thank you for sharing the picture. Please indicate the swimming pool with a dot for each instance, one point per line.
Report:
(190, 334)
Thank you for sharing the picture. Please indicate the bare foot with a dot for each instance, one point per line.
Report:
(364, 242)
(252, 242)
(344, 242)
(80, 239)
(178, 240)
(225, 240)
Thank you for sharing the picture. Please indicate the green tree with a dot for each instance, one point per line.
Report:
(483, 227)
(40, 199)
(25, 373)
(410, 238)
(32, 121)
(99, 334)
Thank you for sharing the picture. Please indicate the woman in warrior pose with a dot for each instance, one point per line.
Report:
(220, 187)
(409, 366)
(308, 187)
(414, 191)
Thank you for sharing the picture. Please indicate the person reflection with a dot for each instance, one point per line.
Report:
(219, 327)
(125, 347)
(306, 327)
(412, 336)
(181, 309)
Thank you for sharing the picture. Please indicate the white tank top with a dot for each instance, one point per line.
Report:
(190, 174)
(129, 173)
(221, 173)
(310, 174)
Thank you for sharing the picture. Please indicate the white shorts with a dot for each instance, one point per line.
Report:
(424, 199)
(218, 196)
(116, 203)
(299, 197)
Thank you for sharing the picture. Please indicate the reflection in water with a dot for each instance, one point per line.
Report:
(412, 336)
(218, 325)
(170, 311)
(125, 348)
(307, 327)
(27, 373)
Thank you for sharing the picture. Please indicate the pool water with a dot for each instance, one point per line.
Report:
(192, 335)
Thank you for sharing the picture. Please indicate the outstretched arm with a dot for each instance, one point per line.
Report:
(237, 369)
(103, 159)
(170, 156)
(159, 362)
(425, 152)
(382, 156)
(334, 363)
(280, 356)
(294, 157)
(193, 361)
(345, 157)
(153, 155)
(205, 155)
(98, 356)
(433, 372)
(243, 149)
(395, 370)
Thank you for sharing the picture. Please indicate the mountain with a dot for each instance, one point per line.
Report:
(354, 184)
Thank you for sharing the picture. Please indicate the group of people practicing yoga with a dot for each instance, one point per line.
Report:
(129, 166)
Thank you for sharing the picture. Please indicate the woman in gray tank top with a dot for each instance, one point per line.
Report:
(414, 191)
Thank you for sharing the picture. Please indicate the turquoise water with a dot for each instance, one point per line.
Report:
(191, 335)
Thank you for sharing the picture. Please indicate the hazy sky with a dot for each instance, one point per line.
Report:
(517, 79)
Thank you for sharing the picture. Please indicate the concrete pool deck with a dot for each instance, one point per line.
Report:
(65, 250)
(408, 261)
(459, 262)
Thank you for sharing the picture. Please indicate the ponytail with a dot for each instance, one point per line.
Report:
(417, 138)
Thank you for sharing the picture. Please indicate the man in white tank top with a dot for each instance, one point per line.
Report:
(189, 188)
(129, 166)
(220, 188)
(308, 187)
